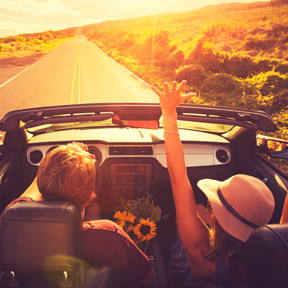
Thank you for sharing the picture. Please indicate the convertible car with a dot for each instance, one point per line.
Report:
(39, 243)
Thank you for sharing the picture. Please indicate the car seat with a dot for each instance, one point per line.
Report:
(265, 256)
(41, 245)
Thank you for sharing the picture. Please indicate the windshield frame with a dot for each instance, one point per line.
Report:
(77, 113)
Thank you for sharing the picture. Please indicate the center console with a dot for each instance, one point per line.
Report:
(130, 180)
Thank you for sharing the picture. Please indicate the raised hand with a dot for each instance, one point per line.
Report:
(170, 99)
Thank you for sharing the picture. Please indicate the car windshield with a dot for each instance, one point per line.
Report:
(188, 125)
(67, 126)
(206, 127)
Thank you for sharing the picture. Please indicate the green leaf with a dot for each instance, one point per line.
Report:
(158, 213)
(165, 216)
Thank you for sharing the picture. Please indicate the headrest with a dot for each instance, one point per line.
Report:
(41, 236)
(265, 256)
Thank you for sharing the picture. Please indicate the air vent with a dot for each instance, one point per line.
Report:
(50, 149)
(222, 155)
(35, 156)
(117, 150)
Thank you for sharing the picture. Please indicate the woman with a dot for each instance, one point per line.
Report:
(239, 205)
(68, 173)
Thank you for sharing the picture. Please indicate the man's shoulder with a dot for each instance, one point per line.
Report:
(103, 225)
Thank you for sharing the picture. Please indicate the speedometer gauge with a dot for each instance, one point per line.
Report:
(95, 151)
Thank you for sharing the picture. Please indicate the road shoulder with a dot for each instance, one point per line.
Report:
(10, 67)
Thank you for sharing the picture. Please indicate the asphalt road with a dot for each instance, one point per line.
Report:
(76, 71)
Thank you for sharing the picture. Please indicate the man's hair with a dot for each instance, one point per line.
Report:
(224, 245)
(67, 173)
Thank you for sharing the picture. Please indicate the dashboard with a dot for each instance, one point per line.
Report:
(129, 168)
(200, 148)
(196, 154)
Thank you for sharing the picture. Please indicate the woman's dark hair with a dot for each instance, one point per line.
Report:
(224, 245)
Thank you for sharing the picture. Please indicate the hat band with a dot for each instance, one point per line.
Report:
(233, 212)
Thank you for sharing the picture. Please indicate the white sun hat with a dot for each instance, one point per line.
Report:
(240, 204)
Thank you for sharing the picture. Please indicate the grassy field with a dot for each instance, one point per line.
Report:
(27, 48)
(230, 54)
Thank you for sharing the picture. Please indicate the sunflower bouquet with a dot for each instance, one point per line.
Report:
(138, 219)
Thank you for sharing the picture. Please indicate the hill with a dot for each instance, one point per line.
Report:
(144, 21)
(230, 54)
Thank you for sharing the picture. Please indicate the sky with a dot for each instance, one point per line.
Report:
(29, 16)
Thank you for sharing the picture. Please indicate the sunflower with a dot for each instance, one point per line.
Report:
(118, 215)
(121, 223)
(145, 230)
(130, 217)
(131, 232)
(124, 216)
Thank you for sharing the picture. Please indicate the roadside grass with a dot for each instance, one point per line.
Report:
(231, 54)
(15, 50)
(24, 49)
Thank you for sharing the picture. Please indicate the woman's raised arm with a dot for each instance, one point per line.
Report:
(191, 229)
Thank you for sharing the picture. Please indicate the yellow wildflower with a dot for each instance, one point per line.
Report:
(130, 217)
(145, 230)
(131, 232)
(118, 215)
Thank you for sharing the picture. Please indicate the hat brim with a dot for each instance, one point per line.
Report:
(227, 221)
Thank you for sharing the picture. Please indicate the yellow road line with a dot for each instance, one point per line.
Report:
(73, 79)
(79, 87)
(76, 73)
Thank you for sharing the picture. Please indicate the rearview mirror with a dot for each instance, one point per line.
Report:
(148, 124)
(274, 147)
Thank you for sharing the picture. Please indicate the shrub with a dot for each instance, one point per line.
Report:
(174, 60)
(204, 55)
(239, 66)
(260, 42)
(195, 75)
(264, 65)
(222, 89)
(156, 48)
(282, 68)
(245, 66)
(270, 89)
(271, 82)
(9, 39)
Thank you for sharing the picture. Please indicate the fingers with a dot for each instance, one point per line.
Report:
(158, 92)
(187, 96)
(166, 88)
(174, 90)
(174, 87)
(181, 86)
